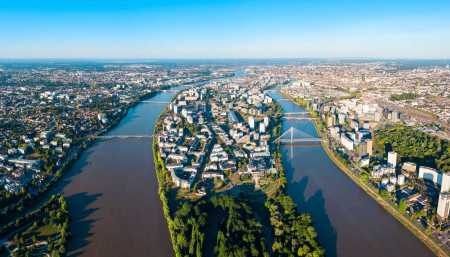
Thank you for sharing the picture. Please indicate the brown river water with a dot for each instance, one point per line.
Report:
(116, 211)
(348, 221)
(113, 193)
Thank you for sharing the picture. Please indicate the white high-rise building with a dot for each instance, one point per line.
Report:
(184, 113)
(392, 159)
(443, 208)
(347, 142)
(401, 180)
(262, 128)
(266, 121)
(251, 122)
(445, 185)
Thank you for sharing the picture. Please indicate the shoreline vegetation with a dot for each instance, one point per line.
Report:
(242, 222)
(405, 221)
(43, 231)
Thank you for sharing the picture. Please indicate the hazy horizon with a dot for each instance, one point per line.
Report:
(213, 58)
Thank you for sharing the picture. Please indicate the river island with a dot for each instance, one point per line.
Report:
(221, 180)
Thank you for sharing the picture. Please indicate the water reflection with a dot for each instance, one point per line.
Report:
(313, 204)
(81, 224)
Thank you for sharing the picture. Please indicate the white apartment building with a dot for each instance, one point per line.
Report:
(347, 142)
(430, 174)
(445, 186)
(392, 159)
(443, 205)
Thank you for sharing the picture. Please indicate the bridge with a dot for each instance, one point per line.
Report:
(155, 102)
(170, 91)
(297, 116)
(173, 91)
(294, 136)
(295, 113)
(123, 136)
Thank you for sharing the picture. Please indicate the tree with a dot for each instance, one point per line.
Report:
(293, 232)
(364, 177)
(62, 249)
(414, 145)
(384, 194)
(55, 254)
(420, 214)
(402, 206)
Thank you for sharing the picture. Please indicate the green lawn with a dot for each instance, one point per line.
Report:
(47, 230)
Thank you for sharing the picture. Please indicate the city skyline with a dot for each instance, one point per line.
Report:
(227, 30)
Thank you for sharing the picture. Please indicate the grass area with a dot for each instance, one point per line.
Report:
(235, 178)
(47, 230)
(272, 188)
(427, 240)
(34, 156)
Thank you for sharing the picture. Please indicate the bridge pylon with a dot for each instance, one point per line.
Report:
(302, 137)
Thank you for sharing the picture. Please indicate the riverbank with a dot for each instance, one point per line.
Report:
(162, 185)
(405, 221)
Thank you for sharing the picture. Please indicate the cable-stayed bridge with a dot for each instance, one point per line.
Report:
(293, 136)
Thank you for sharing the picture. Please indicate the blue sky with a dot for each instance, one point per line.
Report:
(224, 29)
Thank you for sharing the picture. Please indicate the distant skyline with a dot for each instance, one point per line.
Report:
(201, 29)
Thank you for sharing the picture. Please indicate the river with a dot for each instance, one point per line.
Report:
(112, 192)
(113, 197)
(349, 223)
